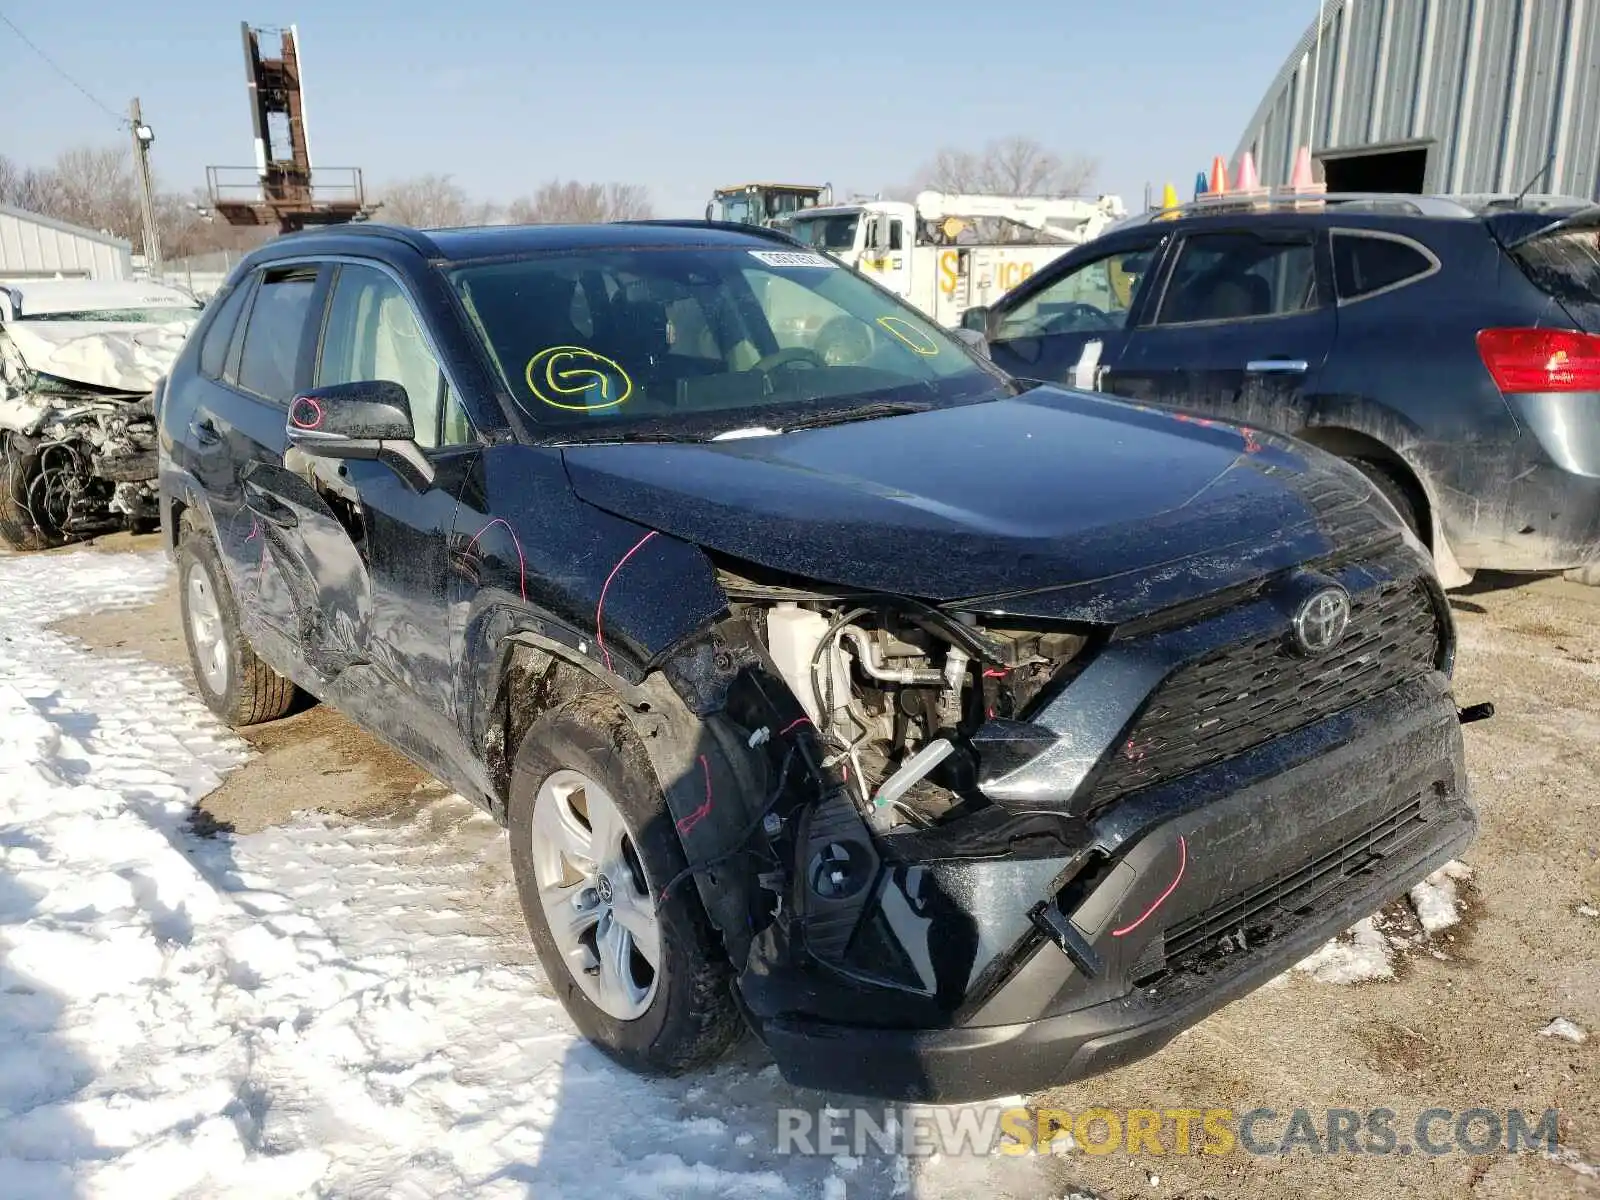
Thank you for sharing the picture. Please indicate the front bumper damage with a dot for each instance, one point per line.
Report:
(1264, 874)
(1083, 918)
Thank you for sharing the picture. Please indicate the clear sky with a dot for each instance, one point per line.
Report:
(681, 97)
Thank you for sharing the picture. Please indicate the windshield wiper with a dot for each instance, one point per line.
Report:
(867, 412)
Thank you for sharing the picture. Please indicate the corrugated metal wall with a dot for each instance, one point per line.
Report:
(35, 245)
(1497, 87)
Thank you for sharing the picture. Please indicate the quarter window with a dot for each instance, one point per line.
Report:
(219, 334)
(1097, 295)
(1363, 265)
(1238, 277)
(273, 337)
(373, 334)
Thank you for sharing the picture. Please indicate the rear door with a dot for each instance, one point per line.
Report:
(236, 428)
(1243, 323)
(1078, 310)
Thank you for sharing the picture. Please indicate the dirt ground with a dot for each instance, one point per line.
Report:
(1457, 1028)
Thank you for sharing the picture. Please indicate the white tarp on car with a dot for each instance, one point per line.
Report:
(124, 357)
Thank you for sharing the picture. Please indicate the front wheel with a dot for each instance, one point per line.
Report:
(592, 846)
(21, 527)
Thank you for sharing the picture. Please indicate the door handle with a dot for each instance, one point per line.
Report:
(1277, 366)
(205, 432)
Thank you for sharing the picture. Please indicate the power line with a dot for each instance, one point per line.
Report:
(59, 70)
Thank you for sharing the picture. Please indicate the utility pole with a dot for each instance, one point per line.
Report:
(143, 138)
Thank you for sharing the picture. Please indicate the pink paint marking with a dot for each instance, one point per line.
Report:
(522, 563)
(299, 417)
(704, 811)
(1183, 861)
(599, 608)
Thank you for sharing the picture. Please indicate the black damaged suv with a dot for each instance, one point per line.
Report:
(961, 736)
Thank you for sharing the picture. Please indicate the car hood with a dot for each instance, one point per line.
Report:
(1055, 503)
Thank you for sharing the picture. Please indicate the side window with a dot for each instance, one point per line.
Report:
(372, 333)
(1363, 265)
(1096, 295)
(896, 235)
(219, 334)
(1237, 277)
(275, 332)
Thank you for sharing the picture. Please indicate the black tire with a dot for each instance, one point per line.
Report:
(1396, 490)
(252, 692)
(692, 1018)
(18, 530)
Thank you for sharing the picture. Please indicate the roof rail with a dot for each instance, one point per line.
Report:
(761, 231)
(1307, 200)
(415, 238)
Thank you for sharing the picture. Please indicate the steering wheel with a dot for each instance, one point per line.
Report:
(791, 357)
(1076, 311)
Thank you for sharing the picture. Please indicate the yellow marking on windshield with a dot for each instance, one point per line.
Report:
(915, 340)
(566, 371)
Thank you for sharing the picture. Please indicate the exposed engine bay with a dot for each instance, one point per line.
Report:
(896, 690)
(78, 463)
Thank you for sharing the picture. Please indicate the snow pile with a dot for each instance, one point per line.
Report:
(323, 1008)
(1436, 898)
(1361, 954)
(124, 357)
(1566, 1030)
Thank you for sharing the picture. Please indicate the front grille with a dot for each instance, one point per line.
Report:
(1242, 923)
(1247, 694)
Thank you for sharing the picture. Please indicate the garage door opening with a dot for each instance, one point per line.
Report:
(1399, 169)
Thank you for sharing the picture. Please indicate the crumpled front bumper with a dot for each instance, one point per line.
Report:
(1180, 898)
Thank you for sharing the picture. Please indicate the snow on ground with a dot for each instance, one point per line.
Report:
(1567, 1031)
(317, 1009)
(1437, 900)
(1360, 955)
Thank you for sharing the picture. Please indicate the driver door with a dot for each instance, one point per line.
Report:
(1080, 308)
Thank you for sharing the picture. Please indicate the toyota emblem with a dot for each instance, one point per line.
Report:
(1321, 620)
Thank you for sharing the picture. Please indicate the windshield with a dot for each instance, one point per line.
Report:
(697, 339)
(736, 207)
(827, 233)
(121, 316)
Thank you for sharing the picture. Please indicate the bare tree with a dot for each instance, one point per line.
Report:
(1013, 166)
(22, 187)
(571, 202)
(432, 202)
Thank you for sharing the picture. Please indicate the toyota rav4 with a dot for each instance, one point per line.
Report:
(960, 736)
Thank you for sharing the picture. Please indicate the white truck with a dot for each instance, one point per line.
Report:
(946, 252)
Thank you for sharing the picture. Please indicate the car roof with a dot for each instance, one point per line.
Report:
(502, 241)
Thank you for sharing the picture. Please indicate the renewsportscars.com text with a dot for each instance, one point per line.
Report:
(1152, 1131)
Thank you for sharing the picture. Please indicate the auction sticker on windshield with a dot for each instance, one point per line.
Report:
(792, 258)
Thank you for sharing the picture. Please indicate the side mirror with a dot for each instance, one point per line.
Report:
(370, 419)
(976, 318)
(973, 339)
(878, 234)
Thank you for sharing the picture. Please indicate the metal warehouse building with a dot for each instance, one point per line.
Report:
(1466, 96)
(35, 246)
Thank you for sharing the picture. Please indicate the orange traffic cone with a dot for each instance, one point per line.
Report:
(1248, 180)
(1219, 177)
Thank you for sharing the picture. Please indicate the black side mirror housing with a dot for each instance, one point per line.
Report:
(370, 419)
(976, 318)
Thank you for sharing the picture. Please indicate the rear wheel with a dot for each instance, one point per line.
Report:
(234, 683)
(1396, 490)
(592, 846)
